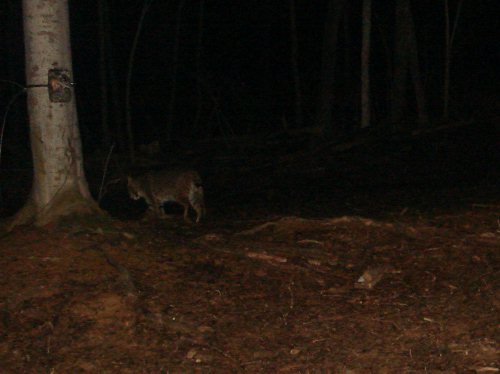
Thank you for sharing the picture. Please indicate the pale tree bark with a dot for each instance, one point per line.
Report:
(365, 63)
(59, 185)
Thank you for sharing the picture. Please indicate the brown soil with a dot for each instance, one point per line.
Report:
(275, 295)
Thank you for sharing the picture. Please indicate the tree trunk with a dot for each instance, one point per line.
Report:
(294, 61)
(128, 88)
(365, 64)
(199, 53)
(406, 61)
(119, 130)
(175, 61)
(449, 38)
(59, 185)
(414, 66)
(384, 39)
(348, 106)
(103, 29)
(324, 115)
(400, 74)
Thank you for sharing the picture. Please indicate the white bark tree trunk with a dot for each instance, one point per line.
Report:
(59, 185)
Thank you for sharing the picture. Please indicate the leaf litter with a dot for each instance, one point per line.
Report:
(290, 295)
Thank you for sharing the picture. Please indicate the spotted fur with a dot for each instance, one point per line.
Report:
(157, 188)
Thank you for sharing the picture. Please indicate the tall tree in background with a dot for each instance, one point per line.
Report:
(449, 38)
(324, 115)
(294, 61)
(102, 9)
(347, 73)
(116, 94)
(405, 64)
(416, 77)
(199, 78)
(59, 185)
(128, 87)
(175, 66)
(365, 63)
(399, 81)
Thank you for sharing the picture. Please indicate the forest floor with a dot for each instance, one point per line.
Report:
(369, 263)
(407, 291)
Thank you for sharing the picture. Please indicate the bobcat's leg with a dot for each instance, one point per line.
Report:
(200, 211)
(186, 213)
(158, 209)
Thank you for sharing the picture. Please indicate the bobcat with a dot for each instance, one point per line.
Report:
(182, 187)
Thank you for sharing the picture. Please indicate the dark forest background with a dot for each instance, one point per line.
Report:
(246, 82)
(233, 78)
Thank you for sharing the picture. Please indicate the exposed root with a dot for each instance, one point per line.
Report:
(68, 203)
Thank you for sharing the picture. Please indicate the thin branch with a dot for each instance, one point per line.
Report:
(130, 133)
